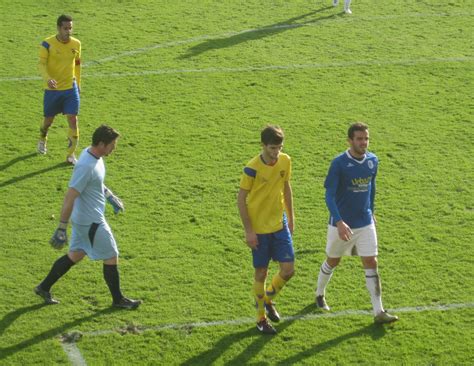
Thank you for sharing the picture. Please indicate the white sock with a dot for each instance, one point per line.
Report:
(347, 3)
(325, 274)
(372, 280)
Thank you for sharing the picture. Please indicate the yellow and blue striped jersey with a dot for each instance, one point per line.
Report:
(61, 62)
(266, 185)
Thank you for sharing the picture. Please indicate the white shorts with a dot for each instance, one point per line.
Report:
(363, 242)
(96, 240)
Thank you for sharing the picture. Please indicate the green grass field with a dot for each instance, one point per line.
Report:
(190, 84)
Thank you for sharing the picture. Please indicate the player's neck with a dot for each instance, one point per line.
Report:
(355, 155)
(62, 40)
(94, 150)
(267, 160)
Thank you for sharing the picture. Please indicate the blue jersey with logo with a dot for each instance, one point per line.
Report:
(88, 179)
(350, 189)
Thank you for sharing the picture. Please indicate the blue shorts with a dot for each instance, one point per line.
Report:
(277, 246)
(61, 101)
(96, 240)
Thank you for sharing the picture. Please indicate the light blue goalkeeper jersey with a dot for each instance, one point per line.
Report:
(350, 189)
(88, 179)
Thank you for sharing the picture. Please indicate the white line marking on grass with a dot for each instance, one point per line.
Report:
(313, 23)
(405, 62)
(337, 314)
(76, 359)
(74, 354)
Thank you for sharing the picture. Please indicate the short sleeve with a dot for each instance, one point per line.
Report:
(247, 179)
(80, 177)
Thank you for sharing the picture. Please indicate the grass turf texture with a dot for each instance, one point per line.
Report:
(190, 112)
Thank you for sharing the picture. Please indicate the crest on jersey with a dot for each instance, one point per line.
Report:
(370, 163)
(282, 173)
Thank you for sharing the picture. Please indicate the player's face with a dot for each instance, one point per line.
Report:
(359, 143)
(271, 152)
(110, 147)
(65, 31)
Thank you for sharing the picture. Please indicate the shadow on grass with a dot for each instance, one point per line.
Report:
(47, 334)
(376, 331)
(9, 318)
(212, 355)
(255, 34)
(32, 174)
(16, 160)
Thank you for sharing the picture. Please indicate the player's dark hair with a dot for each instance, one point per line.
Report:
(63, 18)
(104, 134)
(358, 126)
(272, 135)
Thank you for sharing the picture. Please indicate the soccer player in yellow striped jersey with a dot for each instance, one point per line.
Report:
(265, 203)
(60, 68)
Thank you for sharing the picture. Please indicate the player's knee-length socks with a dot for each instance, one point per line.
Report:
(372, 280)
(275, 287)
(325, 274)
(59, 269)
(259, 293)
(112, 278)
(73, 139)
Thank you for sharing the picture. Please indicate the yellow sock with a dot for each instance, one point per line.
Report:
(259, 291)
(73, 138)
(275, 287)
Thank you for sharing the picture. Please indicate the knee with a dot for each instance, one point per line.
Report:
(261, 274)
(369, 262)
(333, 262)
(72, 120)
(287, 273)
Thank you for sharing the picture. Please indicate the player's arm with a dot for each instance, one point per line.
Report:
(331, 183)
(43, 66)
(59, 238)
(288, 195)
(250, 235)
(372, 198)
(116, 202)
(77, 68)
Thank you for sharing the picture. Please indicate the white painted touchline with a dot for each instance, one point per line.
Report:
(355, 63)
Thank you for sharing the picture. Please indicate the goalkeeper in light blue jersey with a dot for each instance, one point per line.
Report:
(84, 203)
(350, 195)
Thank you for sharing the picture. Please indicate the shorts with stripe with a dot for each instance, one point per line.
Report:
(96, 240)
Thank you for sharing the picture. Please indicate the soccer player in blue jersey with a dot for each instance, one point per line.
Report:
(60, 68)
(350, 194)
(84, 203)
(265, 202)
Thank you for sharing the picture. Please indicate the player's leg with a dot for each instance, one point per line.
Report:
(281, 250)
(102, 246)
(335, 2)
(325, 273)
(73, 138)
(261, 259)
(59, 269)
(335, 249)
(347, 4)
(52, 105)
(71, 110)
(367, 247)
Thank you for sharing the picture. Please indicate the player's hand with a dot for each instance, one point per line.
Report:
(52, 84)
(251, 239)
(59, 238)
(116, 202)
(344, 231)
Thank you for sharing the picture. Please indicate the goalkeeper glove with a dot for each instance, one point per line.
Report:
(116, 203)
(59, 238)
